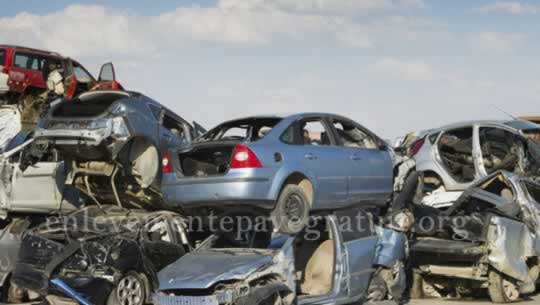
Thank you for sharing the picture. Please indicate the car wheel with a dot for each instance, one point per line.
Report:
(501, 289)
(130, 290)
(291, 213)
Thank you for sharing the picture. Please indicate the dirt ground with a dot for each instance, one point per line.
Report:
(533, 300)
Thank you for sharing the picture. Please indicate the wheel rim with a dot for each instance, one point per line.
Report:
(510, 290)
(130, 291)
(293, 207)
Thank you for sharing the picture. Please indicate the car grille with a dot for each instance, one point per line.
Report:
(185, 300)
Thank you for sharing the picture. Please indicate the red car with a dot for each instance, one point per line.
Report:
(24, 71)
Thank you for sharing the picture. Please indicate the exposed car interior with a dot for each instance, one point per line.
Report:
(499, 149)
(314, 133)
(315, 260)
(456, 151)
(352, 136)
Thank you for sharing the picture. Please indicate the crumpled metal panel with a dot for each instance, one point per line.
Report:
(160, 299)
(391, 248)
(510, 243)
(10, 120)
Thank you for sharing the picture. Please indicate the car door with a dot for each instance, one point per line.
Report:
(359, 240)
(370, 170)
(172, 132)
(38, 188)
(26, 71)
(322, 157)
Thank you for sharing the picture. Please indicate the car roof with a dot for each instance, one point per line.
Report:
(284, 116)
(514, 124)
(31, 50)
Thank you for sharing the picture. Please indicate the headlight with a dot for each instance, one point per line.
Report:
(119, 128)
(98, 124)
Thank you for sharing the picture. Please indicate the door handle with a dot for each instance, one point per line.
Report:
(356, 157)
(310, 156)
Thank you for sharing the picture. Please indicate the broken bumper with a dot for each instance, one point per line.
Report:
(87, 145)
(221, 191)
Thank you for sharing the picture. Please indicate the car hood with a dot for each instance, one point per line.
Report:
(202, 269)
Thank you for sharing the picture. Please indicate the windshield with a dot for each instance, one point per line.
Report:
(249, 130)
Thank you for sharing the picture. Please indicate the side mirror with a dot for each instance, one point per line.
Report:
(106, 73)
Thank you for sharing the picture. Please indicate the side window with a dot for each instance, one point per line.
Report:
(288, 136)
(356, 224)
(27, 61)
(2, 57)
(81, 75)
(352, 136)
(314, 133)
(499, 148)
(175, 127)
(456, 151)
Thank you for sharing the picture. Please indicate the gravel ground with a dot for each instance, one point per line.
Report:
(534, 300)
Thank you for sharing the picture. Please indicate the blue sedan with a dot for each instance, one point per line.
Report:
(287, 165)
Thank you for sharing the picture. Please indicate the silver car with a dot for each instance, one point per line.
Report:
(290, 165)
(325, 264)
(451, 158)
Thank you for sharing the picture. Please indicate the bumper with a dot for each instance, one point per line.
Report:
(86, 145)
(242, 188)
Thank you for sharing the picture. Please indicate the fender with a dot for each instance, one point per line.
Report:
(283, 174)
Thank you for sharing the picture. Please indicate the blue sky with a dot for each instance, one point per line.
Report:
(393, 65)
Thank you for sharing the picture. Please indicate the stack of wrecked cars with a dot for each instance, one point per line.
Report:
(129, 157)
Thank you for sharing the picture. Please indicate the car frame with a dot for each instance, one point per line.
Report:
(434, 171)
(212, 276)
(116, 257)
(118, 143)
(287, 177)
(488, 239)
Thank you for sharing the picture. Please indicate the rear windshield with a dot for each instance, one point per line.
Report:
(2, 57)
(250, 130)
(87, 106)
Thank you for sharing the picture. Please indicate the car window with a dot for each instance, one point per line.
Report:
(456, 151)
(251, 129)
(2, 57)
(500, 150)
(175, 127)
(27, 61)
(314, 133)
(352, 136)
(81, 75)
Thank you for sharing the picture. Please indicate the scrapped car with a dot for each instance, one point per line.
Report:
(286, 165)
(451, 158)
(38, 188)
(118, 143)
(325, 264)
(99, 255)
(28, 75)
(487, 240)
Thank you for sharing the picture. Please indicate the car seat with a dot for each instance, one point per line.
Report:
(319, 270)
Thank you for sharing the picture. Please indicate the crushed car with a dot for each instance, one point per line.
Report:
(487, 240)
(283, 166)
(329, 262)
(449, 159)
(32, 78)
(99, 255)
(117, 144)
(10, 120)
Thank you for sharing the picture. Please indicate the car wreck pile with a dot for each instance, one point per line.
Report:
(110, 198)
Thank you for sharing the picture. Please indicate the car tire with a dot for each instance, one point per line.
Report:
(130, 290)
(501, 289)
(291, 213)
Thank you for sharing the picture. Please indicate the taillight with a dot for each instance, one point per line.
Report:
(243, 157)
(416, 146)
(166, 163)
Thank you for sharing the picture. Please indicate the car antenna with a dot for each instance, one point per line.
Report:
(507, 113)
